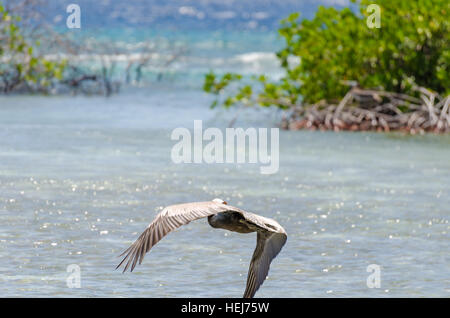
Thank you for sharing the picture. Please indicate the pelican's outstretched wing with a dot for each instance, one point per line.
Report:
(166, 221)
(270, 239)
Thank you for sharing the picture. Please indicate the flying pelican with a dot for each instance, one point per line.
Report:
(270, 235)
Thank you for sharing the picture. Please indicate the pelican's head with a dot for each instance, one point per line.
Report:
(219, 201)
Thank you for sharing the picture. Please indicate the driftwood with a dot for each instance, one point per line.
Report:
(372, 110)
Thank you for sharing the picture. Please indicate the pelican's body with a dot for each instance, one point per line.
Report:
(271, 237)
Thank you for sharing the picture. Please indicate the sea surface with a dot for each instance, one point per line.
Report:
(81, 177)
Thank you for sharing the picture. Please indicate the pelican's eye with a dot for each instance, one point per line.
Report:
(270, 226)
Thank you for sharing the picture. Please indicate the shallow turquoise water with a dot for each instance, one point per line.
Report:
(80, 178)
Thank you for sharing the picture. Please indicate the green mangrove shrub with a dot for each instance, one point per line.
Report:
(20, 65)
(321, 56)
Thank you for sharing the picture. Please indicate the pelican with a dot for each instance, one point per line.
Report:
(271, 236)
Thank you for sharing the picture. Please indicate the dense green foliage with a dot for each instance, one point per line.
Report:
(410, 48)
(19, 64)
